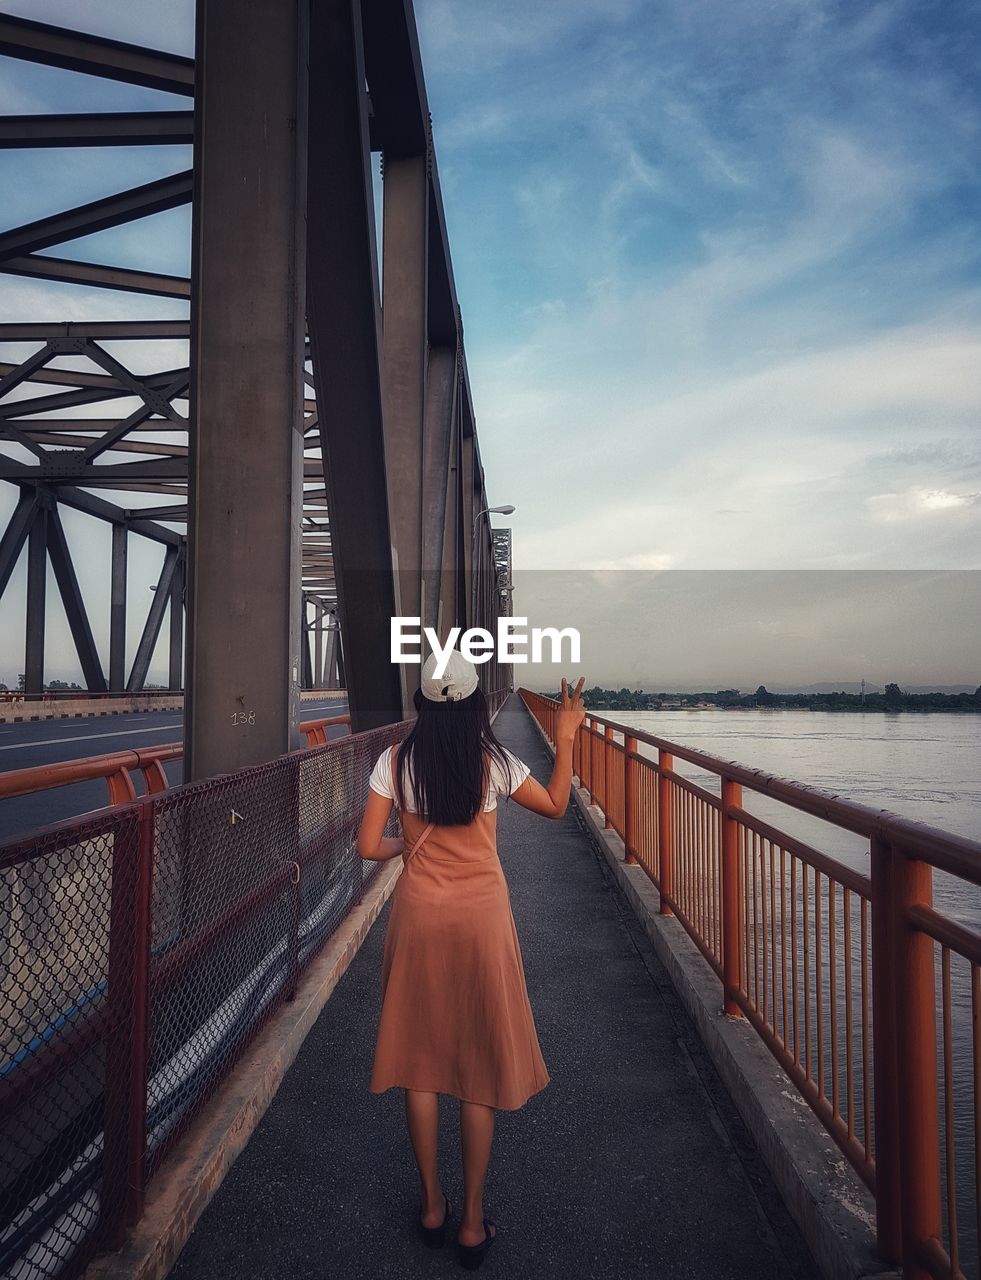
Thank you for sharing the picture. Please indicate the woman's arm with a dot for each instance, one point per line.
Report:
(372, 843)
(551, 801)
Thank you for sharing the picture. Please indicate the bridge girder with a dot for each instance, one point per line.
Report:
(371, 474)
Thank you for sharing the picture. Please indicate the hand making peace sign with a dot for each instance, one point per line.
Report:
(572, 711)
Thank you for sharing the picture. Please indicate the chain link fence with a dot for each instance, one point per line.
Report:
(143, 947)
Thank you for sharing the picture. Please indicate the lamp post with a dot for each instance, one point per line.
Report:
(506, 510)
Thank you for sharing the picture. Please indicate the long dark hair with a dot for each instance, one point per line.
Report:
(449, 754)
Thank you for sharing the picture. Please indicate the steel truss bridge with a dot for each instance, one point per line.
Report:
(310, 465)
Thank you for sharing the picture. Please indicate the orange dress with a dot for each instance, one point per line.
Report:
(455, 1016)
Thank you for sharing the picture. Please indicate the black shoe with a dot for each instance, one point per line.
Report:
(435, 1237)
(472, 1255)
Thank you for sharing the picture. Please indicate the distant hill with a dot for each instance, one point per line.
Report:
(827, 686)
(852, 686)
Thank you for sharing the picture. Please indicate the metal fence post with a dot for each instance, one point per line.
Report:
(885, 1049)
(916, 1052)
(732, 798)
(665, 852)
(124, 1122)
(608, 757)
(630, 806)
(588, 758)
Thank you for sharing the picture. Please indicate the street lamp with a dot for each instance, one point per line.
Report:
(506, 510)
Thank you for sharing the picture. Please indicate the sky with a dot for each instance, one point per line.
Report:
(719, 272)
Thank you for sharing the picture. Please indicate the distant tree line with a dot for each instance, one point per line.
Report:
(52, 686)
(892, 698)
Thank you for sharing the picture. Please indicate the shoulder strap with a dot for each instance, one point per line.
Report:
(426, 833)
(420, 842)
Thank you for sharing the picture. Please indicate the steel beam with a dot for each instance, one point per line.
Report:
(93, 506)
(455, 609)
(70, 470)
(468, 513)
(305, 663)
(49, 331)
(98, 215)
(123, 279)
(154, 619)
(112, 59)
(71, 598)
(345, 335)
(15, 535)
(37, 580)
(102, 129)
(247, 347)
(404, 307)
(319, 616)
(117, 609)
(176, 666)
(26, 369)
(437, 439)
(400, 112)
(332, 655)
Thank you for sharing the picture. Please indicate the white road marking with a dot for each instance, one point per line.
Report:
(88, 737)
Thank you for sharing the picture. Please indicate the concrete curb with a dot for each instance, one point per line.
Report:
(86, 708)
(830, 1204)
(183, 1186)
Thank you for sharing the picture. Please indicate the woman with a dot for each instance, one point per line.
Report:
(455, 1016)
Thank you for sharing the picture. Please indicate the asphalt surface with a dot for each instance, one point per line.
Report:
(30, 743)
(632, 1162)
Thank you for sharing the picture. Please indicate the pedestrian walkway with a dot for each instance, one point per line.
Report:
(631, 1163)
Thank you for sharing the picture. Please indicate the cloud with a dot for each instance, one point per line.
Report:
(915, 503)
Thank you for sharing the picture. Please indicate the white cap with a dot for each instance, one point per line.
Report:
(459, 679)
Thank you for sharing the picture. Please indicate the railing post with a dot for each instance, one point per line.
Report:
(124, 1121)
(732, 798)
(588, 751)
(293, 938)
(631, 815)
(885, 1065)
(608, 757)
(665, 851)
(916, 1051)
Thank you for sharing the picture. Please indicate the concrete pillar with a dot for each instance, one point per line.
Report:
(247, 340)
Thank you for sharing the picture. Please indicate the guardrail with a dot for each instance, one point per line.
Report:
(837, 971)
(316, 730)
(118, 767)
(143, 947)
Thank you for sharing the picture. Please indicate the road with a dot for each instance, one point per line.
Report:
(48, 741)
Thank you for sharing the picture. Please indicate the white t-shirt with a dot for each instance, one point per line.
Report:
(381, 780)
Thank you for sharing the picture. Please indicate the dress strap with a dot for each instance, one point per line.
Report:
(429, 829)
(420, 842)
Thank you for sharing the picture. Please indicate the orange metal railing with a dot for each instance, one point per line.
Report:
(837, 971)
(316, 730)
(117, 768)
